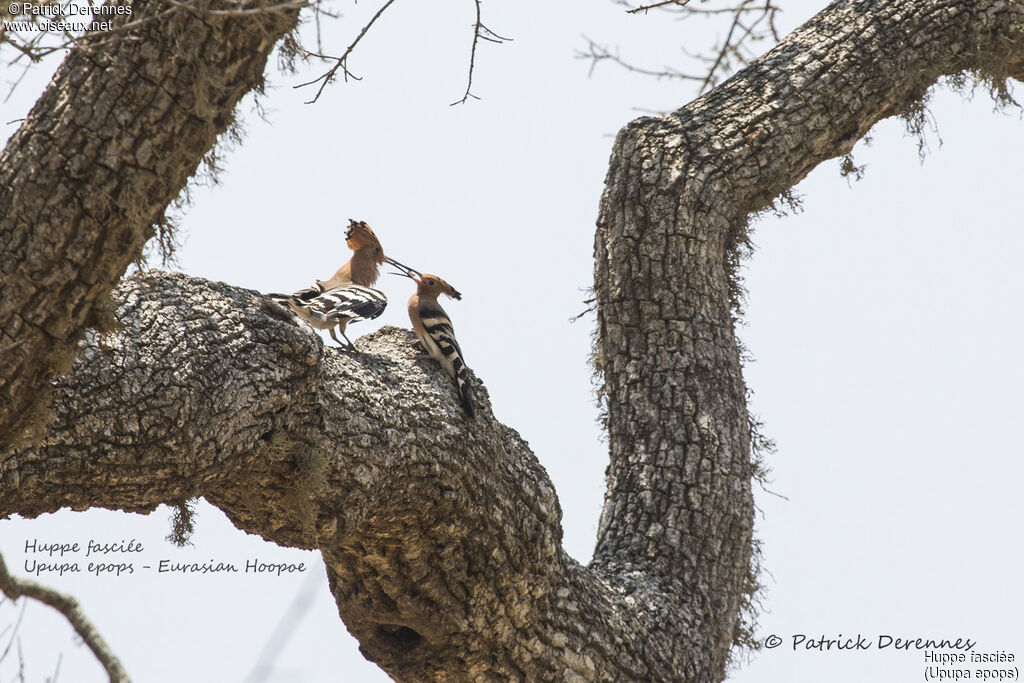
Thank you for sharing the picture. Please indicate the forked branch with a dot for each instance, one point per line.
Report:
(480, 32)
(750, 21)
(340, 63)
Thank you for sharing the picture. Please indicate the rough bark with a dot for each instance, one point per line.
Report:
(679, 193)
(119, 131)
(441, 535)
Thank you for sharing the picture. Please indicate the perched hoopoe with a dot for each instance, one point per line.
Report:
(347, 296)
(434, 329)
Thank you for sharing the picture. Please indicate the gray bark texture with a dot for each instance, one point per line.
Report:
(441, 535)
(123, 125)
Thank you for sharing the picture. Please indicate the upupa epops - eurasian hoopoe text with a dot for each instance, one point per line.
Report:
(348, 296)
(434, 329)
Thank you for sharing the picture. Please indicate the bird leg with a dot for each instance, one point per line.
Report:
(345, 347)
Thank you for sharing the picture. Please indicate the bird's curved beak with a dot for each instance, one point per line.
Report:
(406, 270)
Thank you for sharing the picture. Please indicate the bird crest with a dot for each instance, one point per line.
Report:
(359, 236)
(436, 285)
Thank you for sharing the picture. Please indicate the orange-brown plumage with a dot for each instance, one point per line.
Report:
(363, 267)
(431, 287)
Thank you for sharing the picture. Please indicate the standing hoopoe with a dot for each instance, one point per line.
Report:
(434, 329)
(347, 296)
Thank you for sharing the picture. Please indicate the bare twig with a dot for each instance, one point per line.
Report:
(282, 7)
(33, 44)
(480, 32)
(589, 309)
(16, 83)
(598, 53)
(751, 21)
(655, 5)
(56, 671)
(15, 588)
(29, 42)
(690, 11)
(286, 627)
(721, 53)
(34, 49)
(21, 663)
(14, 634)
(340, 62)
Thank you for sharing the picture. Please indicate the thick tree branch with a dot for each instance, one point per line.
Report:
(441, 535)
(122, 127)
(15, 588)
(679, 193)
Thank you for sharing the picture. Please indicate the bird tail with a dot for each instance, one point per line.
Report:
(462, 379)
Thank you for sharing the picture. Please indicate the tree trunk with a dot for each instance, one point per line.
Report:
(114, 139)
(679, 194)
(441, 535)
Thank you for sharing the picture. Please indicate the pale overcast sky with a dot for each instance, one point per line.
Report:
(884, 320)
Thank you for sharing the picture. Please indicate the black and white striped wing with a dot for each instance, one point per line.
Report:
(444, 347)
(350, 302)
(299, 299)
(304, 296)
(440, 332)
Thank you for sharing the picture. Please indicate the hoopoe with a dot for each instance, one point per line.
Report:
(434, 329)
(347, 296)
